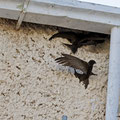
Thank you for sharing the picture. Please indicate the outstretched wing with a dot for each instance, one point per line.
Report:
(71, 61)
(71, 36)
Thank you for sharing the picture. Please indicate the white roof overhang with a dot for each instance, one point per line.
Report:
(64, 13)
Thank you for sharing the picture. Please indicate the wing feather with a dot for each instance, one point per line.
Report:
(71, 61)
(71, 36)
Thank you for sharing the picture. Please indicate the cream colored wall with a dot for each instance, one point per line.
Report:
(33, 88)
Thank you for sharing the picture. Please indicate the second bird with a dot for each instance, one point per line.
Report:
(78, 40)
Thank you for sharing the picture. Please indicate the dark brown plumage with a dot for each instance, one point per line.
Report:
(83, 78)
(76, 63)
(78, 40)
(70, 36)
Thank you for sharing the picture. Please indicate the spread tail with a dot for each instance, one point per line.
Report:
(82, 78)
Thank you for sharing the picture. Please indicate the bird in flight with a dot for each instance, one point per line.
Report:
(78, 40)
(78, 64)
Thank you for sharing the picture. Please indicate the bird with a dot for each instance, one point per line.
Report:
(78, 40)
(78, 64)
(72, 37)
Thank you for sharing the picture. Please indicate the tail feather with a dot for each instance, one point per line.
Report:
(71, 47)
(82, 78)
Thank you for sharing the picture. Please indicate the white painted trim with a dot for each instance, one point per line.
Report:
(113, 90)
(65, 13)
(9, 8)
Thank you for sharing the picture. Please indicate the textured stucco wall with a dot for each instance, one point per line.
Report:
(33, 88)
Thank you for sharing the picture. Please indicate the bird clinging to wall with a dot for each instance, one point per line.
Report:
(72, 37)
(78, 40)
(76, 63)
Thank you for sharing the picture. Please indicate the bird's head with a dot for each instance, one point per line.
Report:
(91, 62)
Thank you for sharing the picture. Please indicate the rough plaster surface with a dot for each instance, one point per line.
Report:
(32, 87)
